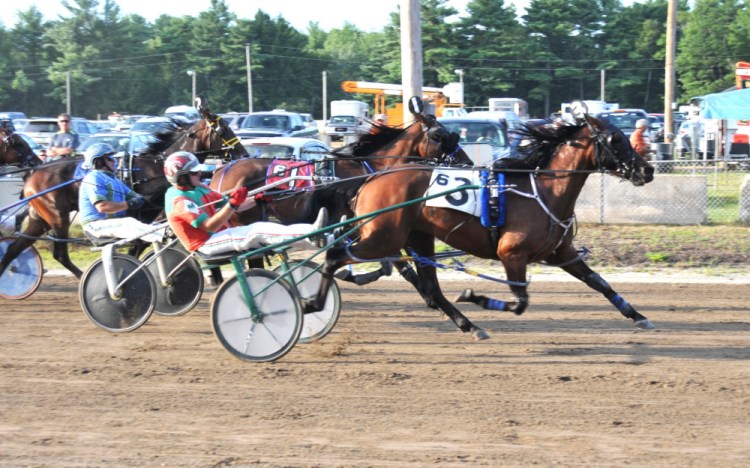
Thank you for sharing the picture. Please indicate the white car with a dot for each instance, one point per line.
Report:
(306, 149)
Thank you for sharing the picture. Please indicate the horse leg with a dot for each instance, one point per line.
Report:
(579, 269)
(429, 287)
(516, 273)
(365, 278)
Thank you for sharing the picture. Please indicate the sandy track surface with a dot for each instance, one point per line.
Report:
(569, 383)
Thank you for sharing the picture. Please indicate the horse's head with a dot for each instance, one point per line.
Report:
(213, 136)
(15, 150)
(426, 139)
(614, 153)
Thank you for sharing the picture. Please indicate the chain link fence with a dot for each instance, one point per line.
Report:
(697, 192)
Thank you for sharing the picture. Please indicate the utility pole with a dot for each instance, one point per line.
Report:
(67, 93)
(669, 73)
(602, 80)
(192, 74)
(249, 79)
(325, 96)
(411, 54)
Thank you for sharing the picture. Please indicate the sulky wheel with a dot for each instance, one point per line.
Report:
(267, 337)
(135, 301)
(24, 274)
(315, 325)
(183, 289)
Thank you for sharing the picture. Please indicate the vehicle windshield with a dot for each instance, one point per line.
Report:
(280, 122)
(117, 142)
(343, 119)
(41, 127)
(622, 119)
(270, 151)
(478, 132)
(151, 126)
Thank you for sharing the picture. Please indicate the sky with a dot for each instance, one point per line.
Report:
(329, 14)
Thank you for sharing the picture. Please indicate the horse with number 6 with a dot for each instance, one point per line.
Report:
(540, 198)
(423, 141)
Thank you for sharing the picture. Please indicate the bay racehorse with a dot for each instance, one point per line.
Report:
(15, 151)
(52, 189)
(539, 212)
(423, 141)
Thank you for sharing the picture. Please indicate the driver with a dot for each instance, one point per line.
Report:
(103, 200)
(199, 216)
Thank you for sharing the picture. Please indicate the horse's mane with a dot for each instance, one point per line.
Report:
(379, 136)
(539, 143)
(164, 138)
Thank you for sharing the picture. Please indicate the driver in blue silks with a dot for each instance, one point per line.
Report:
(103, 200)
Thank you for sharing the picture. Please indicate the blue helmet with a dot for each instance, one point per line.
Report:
(94, 152)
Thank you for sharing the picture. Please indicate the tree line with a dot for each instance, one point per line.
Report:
(554, 53)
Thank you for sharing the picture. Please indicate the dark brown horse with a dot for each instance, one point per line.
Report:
(539, 211)
(52, 189)
(15, 151)
(383, 147)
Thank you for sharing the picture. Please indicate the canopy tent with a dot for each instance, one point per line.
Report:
(731, 105)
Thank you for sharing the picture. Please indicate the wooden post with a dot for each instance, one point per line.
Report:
(411, 54)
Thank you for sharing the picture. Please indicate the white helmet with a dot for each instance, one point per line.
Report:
(180, 163)
(641, 123)
(94, 152)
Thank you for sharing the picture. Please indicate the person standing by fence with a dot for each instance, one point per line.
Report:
(639, 141)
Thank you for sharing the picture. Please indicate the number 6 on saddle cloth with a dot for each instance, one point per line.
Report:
(487, 203)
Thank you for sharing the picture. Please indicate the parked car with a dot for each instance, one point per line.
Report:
(307, 149)
(624, 119)
(130, 142)
(656, 127)
(234, 119)
(155, 124)
(308, 120)
(126, 122)
(119, 141)
(473, 132)
(511, 119)
(189, 113)
(275, 124)
(42, 129)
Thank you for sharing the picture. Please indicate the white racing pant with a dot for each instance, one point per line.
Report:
(122, 228)
(256, 235)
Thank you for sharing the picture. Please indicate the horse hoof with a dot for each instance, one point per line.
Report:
(479, 335)
(644, 324)
(464, 296)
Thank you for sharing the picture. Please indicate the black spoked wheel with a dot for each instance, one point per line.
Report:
(183, 289)
(134, 302)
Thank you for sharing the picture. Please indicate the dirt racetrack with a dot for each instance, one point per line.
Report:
(569, 383)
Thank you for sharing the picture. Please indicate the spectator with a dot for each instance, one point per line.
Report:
(638, 139)
(64, 143)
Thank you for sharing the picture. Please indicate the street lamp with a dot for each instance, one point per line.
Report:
(460, 74)
(192, 73)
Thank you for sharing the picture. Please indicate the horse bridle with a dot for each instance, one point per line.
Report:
(606, 154)
(214, 126)
(26, 158)
(437, 133)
